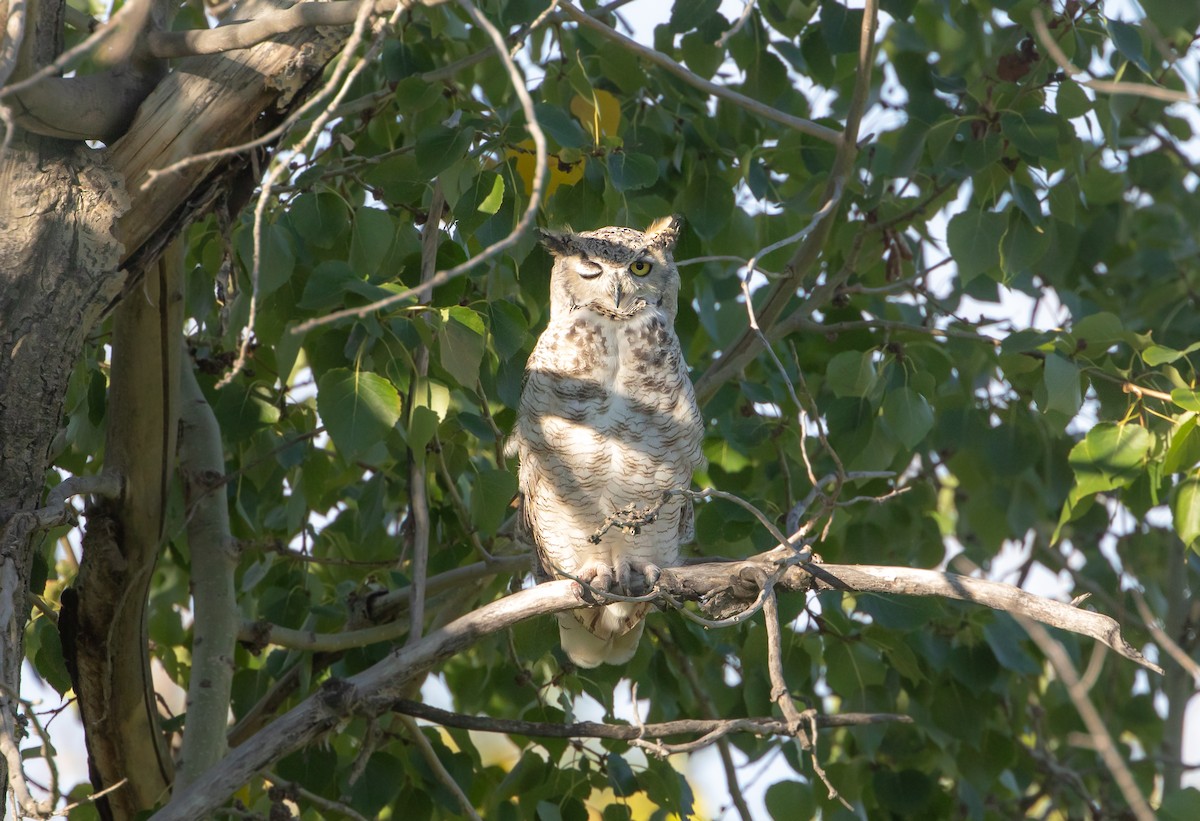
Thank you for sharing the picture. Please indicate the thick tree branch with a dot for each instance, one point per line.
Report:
(716, 585)
(104, 618)
(214, 562)
(245, 33)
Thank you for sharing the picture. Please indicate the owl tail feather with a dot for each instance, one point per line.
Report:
(602, 635)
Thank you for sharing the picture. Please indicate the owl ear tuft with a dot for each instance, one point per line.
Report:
(556, 242)
(663, 232)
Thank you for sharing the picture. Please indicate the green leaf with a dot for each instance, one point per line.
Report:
(1185, 510)
(461, 344)
(374, 232)
(1156, 355)
(1035, 133)
(359, 409)
(560, 126)
(319, 219)
(1128, 41)
(908, 415)
(277, 261)
(1071, 100)
(491, 493)
(630, 172)
(788, 800)
(851, 373)
(1181, 805)
(974, 241)
(1099, 330)
(707, 201)
(439, 146)
(1184, 451)
(1063, 394)
(548, 812)
(1110, 456)
(491, 203)
(620, 776)
(1186, 398)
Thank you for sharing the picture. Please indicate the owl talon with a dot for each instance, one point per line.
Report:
(596, 574)
(637, 577)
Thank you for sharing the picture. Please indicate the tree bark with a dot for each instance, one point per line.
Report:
(58, 271)
(106, 619)
(66, 230)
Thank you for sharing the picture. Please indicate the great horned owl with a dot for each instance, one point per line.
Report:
(608, 420)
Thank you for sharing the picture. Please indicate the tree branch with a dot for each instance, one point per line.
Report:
(746, 346)
(1103, 86)
(527, 217)
(763, 110)
(630, 732)
(214, 563)
(245, 33)
(717, 585)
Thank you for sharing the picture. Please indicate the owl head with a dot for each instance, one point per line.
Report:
(615, 272)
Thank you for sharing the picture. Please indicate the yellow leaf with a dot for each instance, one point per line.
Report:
(561, 172)
(600, 115)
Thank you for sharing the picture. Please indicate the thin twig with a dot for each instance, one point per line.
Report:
(1165, 641)
(342, 80)
(527, 218)
(1092, 719)
(1103, 86)
(66, 811)
(629, 732)
(721, 92)
(724, 39)
(335, 808)
(439, 769)
(418, 491)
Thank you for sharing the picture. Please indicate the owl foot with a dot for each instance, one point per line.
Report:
(596, 573)
(637, 577)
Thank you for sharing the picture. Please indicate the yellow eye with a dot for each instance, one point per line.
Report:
(640, 268)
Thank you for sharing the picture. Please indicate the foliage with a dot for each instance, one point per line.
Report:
(1036, 394)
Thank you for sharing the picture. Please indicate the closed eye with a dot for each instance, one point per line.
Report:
(640, 268)
(588, 269)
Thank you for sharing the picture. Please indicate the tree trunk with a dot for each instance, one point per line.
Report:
(58, 272)
(67, 229)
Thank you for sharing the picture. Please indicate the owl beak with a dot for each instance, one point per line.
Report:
(617, 296)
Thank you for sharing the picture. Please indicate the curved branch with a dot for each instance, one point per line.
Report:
(746, 346)
(763, 110)
(1056, 53)
(379, 688)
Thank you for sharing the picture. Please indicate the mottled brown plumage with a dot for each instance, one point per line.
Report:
(608, 420)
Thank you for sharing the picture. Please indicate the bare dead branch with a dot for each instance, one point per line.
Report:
(725, 585)
(630, 732)
(341, 79)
